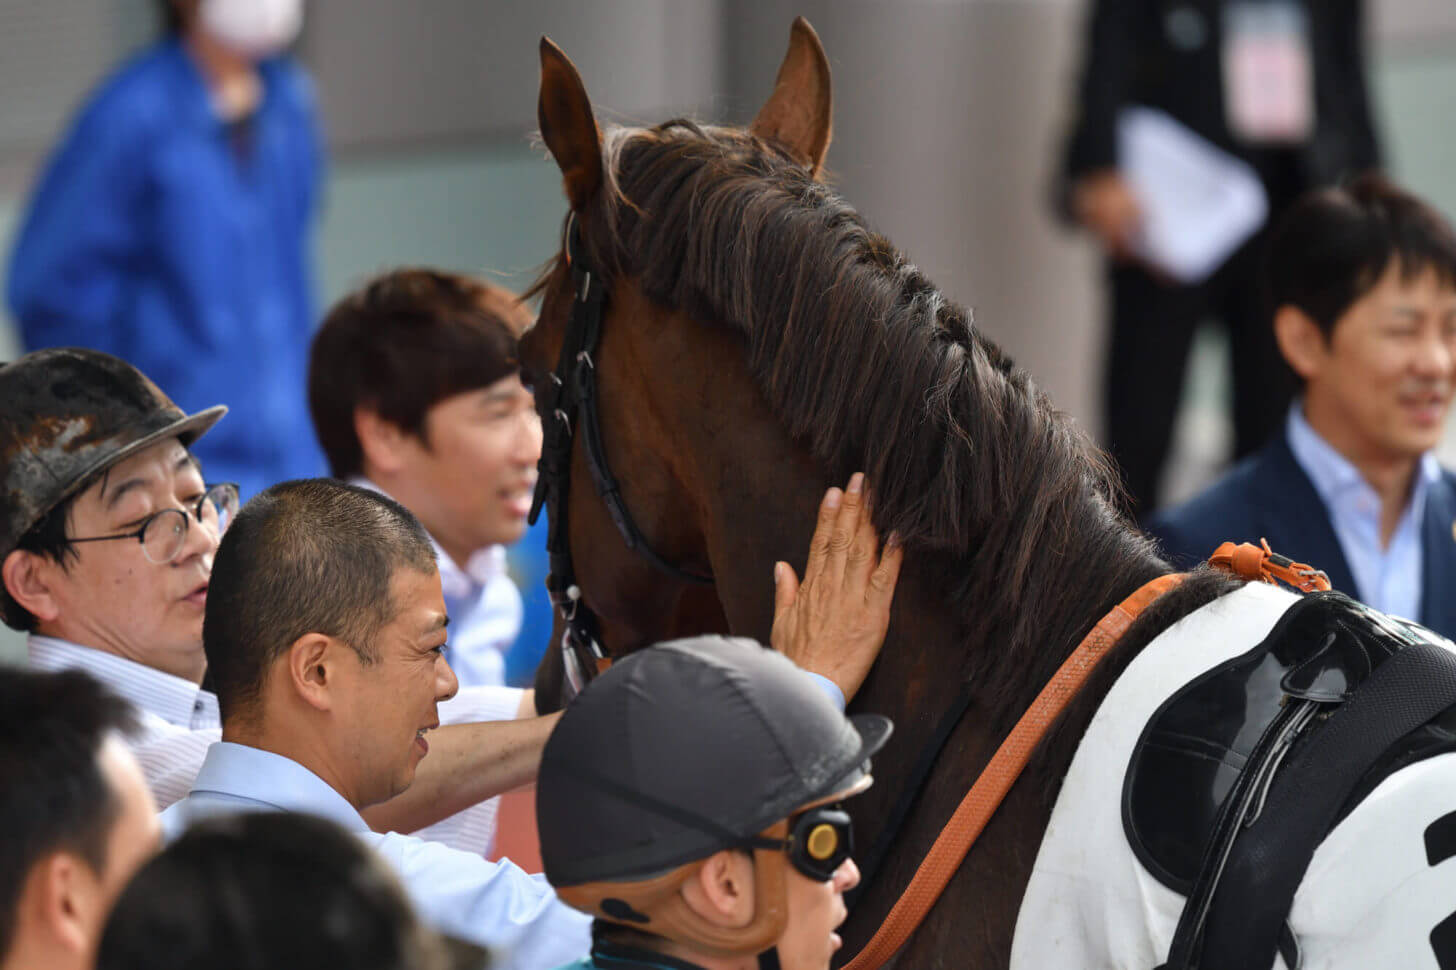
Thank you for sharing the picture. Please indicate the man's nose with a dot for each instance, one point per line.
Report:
(846, 877)
(528, 439)
(200, 540)
(1437, 356)
(446, 683)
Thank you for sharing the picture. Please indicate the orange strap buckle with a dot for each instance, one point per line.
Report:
(1249, 561)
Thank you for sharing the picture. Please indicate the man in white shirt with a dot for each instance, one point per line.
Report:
(325, 638)
(1363, 280)
(415, 391)
(76, 815)
(107, 534)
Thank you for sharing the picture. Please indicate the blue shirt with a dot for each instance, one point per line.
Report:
(493, 904)
(1386, 577)
(163, 235)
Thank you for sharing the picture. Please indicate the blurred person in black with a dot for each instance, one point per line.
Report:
(1300, 117)
(76, 817)
(269, 890)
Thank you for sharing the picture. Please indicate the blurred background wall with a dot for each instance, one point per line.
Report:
(948, 116)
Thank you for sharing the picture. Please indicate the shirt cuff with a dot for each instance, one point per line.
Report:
(830, 688)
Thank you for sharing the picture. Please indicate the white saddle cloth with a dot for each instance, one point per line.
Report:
(1368, 900)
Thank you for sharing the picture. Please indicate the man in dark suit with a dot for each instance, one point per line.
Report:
(1299, 115)
(1363, 280)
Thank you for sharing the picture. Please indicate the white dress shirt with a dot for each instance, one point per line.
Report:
(493, 904)
(179, 722)
(484, 606)
(1387, 577)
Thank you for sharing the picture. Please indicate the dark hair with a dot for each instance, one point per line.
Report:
(270, 890)
(406, 341)
(307, 556)
(1333, 245)
(55, 797)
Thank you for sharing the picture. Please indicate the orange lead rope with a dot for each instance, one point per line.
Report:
(1005, 767)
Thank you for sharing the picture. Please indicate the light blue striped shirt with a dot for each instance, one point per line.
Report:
(493, 904)
(1386, 577)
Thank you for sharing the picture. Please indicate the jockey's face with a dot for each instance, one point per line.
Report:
(815, 910)
(1380, 387)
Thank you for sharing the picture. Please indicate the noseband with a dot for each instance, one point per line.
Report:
(569, 404)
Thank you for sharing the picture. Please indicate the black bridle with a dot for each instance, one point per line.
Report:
(569, 405)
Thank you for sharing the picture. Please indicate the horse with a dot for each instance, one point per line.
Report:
(759, 343)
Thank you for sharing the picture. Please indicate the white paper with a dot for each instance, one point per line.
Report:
(1199, 203)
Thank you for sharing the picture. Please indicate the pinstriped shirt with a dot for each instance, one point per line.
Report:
(179, 722)
(179, 719)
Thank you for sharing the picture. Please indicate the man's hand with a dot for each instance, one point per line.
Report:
(1105, 204)
(834, 622)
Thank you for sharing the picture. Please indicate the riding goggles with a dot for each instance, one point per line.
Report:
(819, 842)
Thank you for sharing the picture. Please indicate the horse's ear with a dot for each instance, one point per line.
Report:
(799, 115)
(567, 125)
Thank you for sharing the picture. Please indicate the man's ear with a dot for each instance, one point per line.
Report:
(64, 896)
(28, 577)
(313, 665)
(381, 441)
(1301, 341)
(721, 890)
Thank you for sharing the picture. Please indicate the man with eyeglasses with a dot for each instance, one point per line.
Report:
(690, 802)
(106, 538)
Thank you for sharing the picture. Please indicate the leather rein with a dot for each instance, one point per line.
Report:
(569, 404)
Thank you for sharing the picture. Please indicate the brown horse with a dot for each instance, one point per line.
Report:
(759, 343)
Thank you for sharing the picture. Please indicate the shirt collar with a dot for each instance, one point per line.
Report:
(456, 582)
(271, 779)
(173, 699)
(1333, 475)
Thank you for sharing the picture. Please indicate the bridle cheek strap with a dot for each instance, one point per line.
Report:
(569, 404)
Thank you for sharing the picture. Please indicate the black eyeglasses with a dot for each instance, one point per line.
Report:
(163, 533)
(819, 842)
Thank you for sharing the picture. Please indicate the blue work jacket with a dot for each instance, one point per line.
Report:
(181, 243)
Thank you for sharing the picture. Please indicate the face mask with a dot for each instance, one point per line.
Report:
(253, 28)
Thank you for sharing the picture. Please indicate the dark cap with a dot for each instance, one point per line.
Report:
(67, 414)
(683, 749)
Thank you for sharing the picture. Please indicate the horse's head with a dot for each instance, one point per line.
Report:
(645, 383)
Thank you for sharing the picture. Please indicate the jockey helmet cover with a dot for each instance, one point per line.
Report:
(682, 750)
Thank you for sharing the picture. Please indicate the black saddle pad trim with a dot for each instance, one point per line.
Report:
(1268, 863)
(1182, 883)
